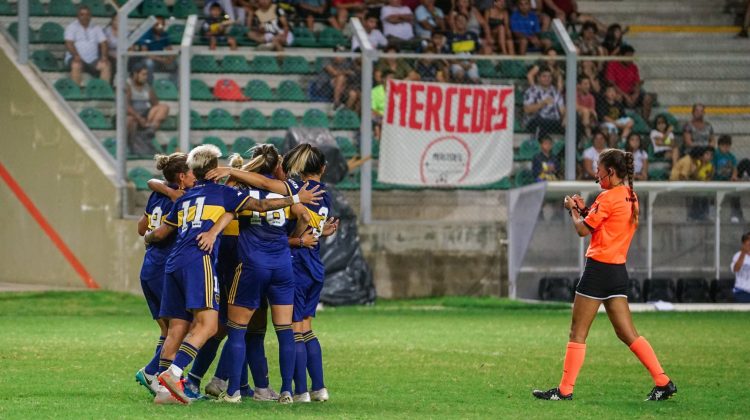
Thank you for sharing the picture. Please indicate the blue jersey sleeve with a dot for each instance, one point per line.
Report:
(293, 186)
(172, 218)
(234, 199)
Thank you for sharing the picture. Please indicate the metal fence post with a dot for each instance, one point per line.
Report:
(120, 111)
(365, 129)
(184, 105)
(23, 31)
(571, 70)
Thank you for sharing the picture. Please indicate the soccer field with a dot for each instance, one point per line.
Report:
(73, 355)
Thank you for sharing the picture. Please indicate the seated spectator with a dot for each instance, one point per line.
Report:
(440, 43)
(663, 141)
(398, 66)
(591, 155)
(687, 166)
(310, 10)
(586, 105)
(545, 166)
(524, 24)
(236, 11)
(555, 66)
(429, 19)
(741, 268)
(269, 27)
(377, 40)
(698, 209)
(698, 131)
(640, 157)
(612, 116)
(613, 39)
(590, 70)
(567, 12)
(627, 79)
(543, 105)
(87, 48)
(475, 22)
(498, 20)
(344, 77)
(430, 70)
(377, 100)
(397, 25)
(588, 43)
(725, 167)
(216, 26)
(157, 39)
(463, 43)
(110, 32)
(145, 113)
(344, 8)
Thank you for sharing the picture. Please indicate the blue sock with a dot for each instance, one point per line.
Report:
(185, 355)
(286, 355)
(163, 365)
(153, 366)
(222, 368)
(235, 348)
(203, 361)
(245, 386)
(256, 357)
(300, 364)
(314, 360)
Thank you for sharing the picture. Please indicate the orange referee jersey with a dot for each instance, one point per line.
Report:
(609, 221)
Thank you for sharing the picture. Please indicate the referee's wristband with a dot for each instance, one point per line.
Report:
(295, 198)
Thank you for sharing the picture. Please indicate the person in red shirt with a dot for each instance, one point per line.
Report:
(627, 79)
(611, 221)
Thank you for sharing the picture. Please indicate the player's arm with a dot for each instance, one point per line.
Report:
(251, 178)
(581, 228)
(304, 196)
(157, 185)
(303, 219)
(330, 227)
(142, 225)
(307, 240)
(159, 234)
(206, 240)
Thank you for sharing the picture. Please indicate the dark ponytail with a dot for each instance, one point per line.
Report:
(630, 170)
(622, 164)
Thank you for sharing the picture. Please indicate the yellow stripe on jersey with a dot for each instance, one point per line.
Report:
(212, 213)
(232, 229)
(316, 220)
(242, 204)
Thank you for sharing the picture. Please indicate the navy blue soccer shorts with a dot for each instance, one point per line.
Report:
(253, 283)
(152, 283)
(193, 286)
(306, 293)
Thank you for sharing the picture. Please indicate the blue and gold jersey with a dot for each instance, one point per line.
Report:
(157, 209)
(310, 258)
(196, 212)
(263, 239)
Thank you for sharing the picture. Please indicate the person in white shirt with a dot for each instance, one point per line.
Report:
(87, 48)
(377, 40)
(429, 18)
(397, 24)
(591, 155)
(741, 268)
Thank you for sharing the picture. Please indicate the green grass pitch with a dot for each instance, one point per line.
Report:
(73, 355)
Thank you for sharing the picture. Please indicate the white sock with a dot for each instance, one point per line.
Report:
(176, 371)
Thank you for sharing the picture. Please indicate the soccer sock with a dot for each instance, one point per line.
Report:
(222, 368)
(256, 357)
(314, 360)
(185, 355)
(286, 355)
(152, 368)
(643, 351)
(203, 361)
(573, 361)
(236, 357)
(300, 364)
(164, 364)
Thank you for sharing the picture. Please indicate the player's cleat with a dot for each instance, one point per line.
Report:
(193, 392)
(302, 398)
(286, 398)
(662, 393)
(148, 381)
(265, 394)
(175, 385)
(233, 399)
(216, 387)
(553, 394)
(163, 397)
(319, 395)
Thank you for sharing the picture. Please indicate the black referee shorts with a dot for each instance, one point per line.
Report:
(603, 281)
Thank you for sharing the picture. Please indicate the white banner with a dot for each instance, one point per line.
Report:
(446, 135)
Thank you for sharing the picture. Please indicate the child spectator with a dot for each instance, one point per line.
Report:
(663, 141)
(524, 24)
(269, 27)
(588, 43)
(463, 43)
(686, 167)
(498, 20)
(626, 77)
(310, 10)
(586, 105)
(430, 70)
(377, 101)
(543, 105)
(429, 19)
(612, 115)
(475, 22)
(741, 268)
(591, 155)
(640, 157)
(377, 39)
(343, 9)
(216, 26)
(545, 166)
(725, 167)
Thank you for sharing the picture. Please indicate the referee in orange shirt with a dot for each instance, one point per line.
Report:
(611, 222)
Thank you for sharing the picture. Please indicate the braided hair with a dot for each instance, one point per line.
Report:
(622, 163)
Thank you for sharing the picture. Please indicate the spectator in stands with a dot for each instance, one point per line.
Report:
(110, 32)
(157, 39)
(698, 206)
(429, 19)
(626, 78)
(397, 25)
(613, 39)
(87, 48)
(586, 105)
(588, 43)
(543, 105)
(567, 12)
(235, 13)
(310, 10)
(344, 8)
(545, 166)
(377, 39)
(430, 70)
(743, 170)
(145, 113)
(343, 77)
(377, 100)
(612, 116)
(741, 268)
(590, 70)
(398, 66)
(269, 27)
(640, 157)
(725, 167)
(558, 73)
(745, 21)
(498, 20)
(687, 166)
(440, 42)
(524, 24)
(475, 22)
(591, 155)
(463, 43)
(216, 26)
(663, 141)
(698, 131)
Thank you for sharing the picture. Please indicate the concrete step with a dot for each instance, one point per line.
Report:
(739, 124)
(642, 7)
(708, 98)
(723, 43)
(695, 68)
(668, 18)
(708, 86)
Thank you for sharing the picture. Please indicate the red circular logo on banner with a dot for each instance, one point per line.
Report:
(445, 161)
